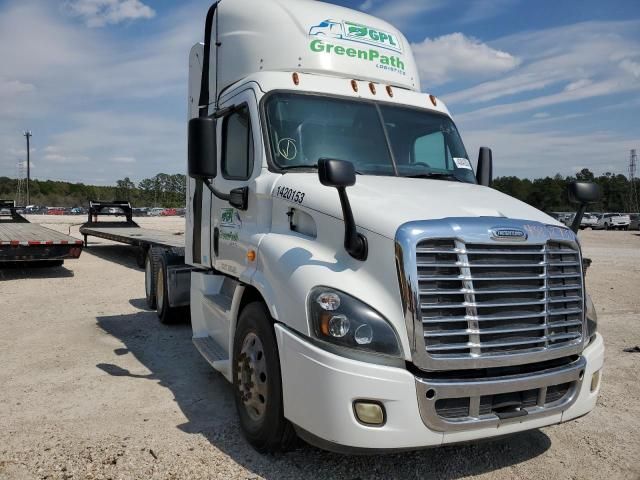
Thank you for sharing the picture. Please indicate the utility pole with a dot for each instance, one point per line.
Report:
(633, 194)
(28, 136)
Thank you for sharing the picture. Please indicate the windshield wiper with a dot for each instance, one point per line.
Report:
(300, 167)
(446, 176)
(310, 167)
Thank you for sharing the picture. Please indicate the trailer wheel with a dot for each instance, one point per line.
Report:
(167, 314)
(150, 269)
(257, 382)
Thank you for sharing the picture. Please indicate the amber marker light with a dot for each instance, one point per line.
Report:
(372, 87)
(390, 91)
(434, 100)
(296, 78)
(251, 255)
(354, 85)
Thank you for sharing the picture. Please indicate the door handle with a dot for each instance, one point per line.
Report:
(216, 240)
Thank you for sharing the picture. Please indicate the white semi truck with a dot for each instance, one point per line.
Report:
(351, 275)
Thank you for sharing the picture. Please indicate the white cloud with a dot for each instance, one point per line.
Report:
(578, 84)
(538, 153)
(367, 5)
(563, 57)
(60, 92)
(631, 67)
(458, 56)
(541, 115)
(123, 159)
(98, 13)
(9, 88)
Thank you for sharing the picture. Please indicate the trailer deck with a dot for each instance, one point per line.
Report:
(22, 241)
(127, 231)
(132, 234)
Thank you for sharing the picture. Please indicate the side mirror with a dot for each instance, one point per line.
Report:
(336, 173)
(484, 172)
(202, 148)
(340, 174)
(582, 193)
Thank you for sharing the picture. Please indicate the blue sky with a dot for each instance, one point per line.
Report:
(551, 86)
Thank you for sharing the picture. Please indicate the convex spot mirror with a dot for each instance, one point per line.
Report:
(584, 193)
(336, 173)
(202, 148)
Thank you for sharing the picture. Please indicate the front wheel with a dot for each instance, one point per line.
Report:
(258, 383)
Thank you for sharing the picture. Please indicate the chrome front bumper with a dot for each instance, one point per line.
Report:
(495, 401)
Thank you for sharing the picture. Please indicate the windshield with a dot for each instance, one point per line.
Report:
(379, 139)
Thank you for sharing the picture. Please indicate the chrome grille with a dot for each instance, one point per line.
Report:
(479, 300)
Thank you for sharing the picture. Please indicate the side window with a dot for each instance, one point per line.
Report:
(237, 146)
(431, 149)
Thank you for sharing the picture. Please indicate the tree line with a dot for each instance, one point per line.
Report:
(550, 193)
(163, 190)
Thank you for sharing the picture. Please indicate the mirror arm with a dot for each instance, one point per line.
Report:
(220, 195)
(575, 226)
(354, 243)
(240, 204)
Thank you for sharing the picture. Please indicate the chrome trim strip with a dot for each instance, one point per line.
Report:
(477, 230)
(476, 388)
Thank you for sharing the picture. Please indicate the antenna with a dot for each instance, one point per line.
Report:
(633, 193)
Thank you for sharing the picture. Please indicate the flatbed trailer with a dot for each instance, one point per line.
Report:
(22, 241)
(160, 253)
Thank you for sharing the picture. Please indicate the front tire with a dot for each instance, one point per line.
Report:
(257, 382)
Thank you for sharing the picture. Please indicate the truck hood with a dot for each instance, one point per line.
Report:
(382, 204)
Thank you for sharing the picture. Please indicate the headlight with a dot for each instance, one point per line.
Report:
(342, 320)
(592, 318)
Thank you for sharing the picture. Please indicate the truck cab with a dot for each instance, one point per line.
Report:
(354, 278)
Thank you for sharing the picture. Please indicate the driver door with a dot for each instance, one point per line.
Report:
(239, 164)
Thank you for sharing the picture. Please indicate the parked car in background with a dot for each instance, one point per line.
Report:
(140, 212)
(155, 211)
(634, 221)
(55, 211)
(613, 221)
(169, 212)
(589, 220)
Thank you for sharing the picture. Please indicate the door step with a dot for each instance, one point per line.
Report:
(213, 353)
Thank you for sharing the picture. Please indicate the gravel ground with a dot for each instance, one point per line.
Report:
(92, 386)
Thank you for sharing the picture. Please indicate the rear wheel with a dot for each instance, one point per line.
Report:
(150, 268)
(166, 313)
(258, 382)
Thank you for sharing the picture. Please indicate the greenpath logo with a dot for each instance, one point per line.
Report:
(384, 62)
(356, 32)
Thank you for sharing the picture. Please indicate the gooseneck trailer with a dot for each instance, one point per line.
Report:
(351, 274)
(156, 249)
(25, 242)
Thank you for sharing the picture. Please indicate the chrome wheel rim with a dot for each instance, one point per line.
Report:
(252, 377)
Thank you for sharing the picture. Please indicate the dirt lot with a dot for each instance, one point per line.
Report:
(92, 386)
